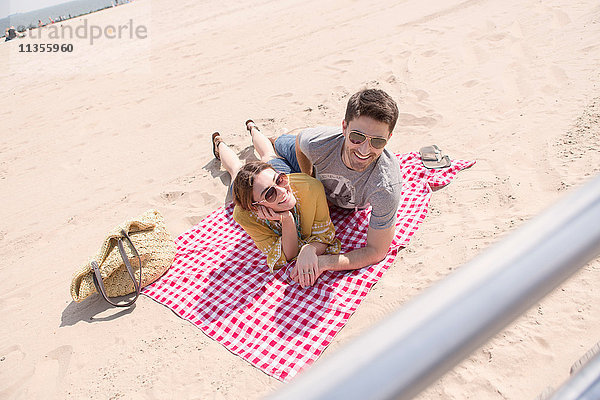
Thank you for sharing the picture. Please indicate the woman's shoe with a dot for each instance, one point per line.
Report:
(250, 124)
(216, 139)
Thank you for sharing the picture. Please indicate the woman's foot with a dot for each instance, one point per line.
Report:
(216, 140)
(251, 125)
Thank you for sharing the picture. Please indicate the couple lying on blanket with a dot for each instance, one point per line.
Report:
(285, 210)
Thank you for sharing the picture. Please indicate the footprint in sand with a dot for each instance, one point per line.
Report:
(542, 342)
(496, 37)
(559, 75)
(340, 92)
(170, 197)
(48, 373)
(12, 353)
(543, 349)
(412, 120)
(209, 198)
(561, 18)
(391, 78)
(343, 62)
(421, 94)
(193, 198)
(194, 219)
(284, 95)
(339, 66)
(12, 359)
(63, 355)
(474, 55)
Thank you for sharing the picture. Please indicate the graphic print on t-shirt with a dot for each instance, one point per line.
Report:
(339, 190)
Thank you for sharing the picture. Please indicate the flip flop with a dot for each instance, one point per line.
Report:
(216, 139)
(432, 157)
(249, 128)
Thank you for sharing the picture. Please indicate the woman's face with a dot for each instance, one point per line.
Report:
(267, 181)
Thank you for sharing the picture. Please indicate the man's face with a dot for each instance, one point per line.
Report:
(358, 156)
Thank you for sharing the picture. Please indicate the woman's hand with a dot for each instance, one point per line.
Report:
(289, 236)
(268, 213)
(306, 271)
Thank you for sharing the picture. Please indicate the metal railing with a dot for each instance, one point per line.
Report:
(583, 385)
(432, 333)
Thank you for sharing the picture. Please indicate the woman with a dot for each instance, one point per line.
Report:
(285, 214)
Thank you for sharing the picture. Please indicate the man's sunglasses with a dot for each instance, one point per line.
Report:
(357, 137)
(271, 194)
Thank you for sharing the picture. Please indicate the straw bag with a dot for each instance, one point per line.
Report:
(116, 272)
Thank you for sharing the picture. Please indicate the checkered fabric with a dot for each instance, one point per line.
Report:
(220, 281)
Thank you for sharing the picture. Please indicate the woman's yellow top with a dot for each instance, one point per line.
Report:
(312, 217)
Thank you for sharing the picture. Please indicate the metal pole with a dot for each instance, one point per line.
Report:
(584, 385)
(408, 351)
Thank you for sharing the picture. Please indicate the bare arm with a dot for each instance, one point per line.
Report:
(303, 161)
(306, 270)
(289, 237)
(378, 243)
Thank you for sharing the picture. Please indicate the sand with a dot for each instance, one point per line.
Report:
(92, 137)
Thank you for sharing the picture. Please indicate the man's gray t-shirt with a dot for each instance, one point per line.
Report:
(380, 185)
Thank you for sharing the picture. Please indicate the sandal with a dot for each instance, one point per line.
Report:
(249, 128)
(216, 139)
(433, 158)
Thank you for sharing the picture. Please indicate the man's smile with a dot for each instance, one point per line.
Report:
(360, 156)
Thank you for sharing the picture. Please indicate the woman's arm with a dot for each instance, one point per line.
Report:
(307, 264)
(322, 237)
(268, 241)
(289, 236)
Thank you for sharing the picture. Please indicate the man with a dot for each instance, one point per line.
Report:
(11, 33)
(356, 171)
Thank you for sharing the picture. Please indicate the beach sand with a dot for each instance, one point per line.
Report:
(93, 137)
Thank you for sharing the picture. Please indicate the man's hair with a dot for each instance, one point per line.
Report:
(244, 182)
(373, 103)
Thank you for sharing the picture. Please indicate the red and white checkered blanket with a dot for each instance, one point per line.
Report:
(220, 281)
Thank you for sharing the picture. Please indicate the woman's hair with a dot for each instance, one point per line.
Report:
(373, 103)
(244, 182)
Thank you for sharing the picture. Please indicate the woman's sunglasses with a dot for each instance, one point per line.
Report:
(357, 137)
(271, 194)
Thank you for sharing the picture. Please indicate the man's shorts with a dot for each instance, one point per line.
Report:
(285, 147)
(287, 162)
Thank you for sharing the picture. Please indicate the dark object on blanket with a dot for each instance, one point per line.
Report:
(433, 158)
(112, 272)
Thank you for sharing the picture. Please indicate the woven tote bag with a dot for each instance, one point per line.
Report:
(139, 244)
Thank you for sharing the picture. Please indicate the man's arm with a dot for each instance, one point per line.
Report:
(303, 161)
(378, 244)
